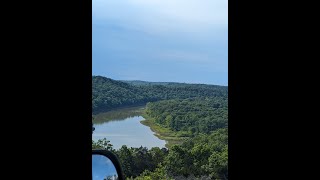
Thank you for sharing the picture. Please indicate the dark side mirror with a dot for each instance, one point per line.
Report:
(105, 166)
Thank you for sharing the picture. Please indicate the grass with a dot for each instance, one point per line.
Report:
(163, 133)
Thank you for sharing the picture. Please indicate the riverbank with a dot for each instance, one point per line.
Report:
(120, 114)
(105, 110)
(117, 114)
(171, 137)
(123, 127)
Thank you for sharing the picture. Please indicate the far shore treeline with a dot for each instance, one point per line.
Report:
(193, 118)
(108, 94)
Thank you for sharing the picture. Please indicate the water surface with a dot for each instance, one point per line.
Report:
(123, 127)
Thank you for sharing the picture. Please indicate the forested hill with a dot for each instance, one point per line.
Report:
(192, 116)
(108, 93)
(195, 115)
(144, 83)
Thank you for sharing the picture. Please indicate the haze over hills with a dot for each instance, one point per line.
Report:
(144, 83)
(139, 82)
(108, 93)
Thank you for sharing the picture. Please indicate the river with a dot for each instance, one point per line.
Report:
(123, 127)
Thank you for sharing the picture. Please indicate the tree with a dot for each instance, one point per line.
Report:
(126, 161)
(102, 144)
(179, 161)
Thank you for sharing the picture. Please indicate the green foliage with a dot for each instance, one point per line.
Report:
(195, 112)
(102, 144)
(190, 116)
(126, 159)
(218, 164)
(179, 161)
(158, 174)
(108, 94)
(137, 160)
(201, 156)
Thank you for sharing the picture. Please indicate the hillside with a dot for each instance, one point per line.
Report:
(144, 83)
(193, 118)
(108, 93)
(193, 115)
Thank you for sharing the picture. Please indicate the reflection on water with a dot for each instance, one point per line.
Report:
(123, 127)
(118, 115)
(103, 168)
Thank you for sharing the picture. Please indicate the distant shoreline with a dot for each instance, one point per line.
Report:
(119, 108)
(162, 133)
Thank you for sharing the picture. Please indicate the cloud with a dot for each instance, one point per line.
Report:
(163, 16)
(161, 40)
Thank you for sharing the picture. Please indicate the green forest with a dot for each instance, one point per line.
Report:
(196, 112)
(108, 93)
(192, 115)
(203, 156)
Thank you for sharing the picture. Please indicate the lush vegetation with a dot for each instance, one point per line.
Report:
(108, 94)
(171, 137)
(193, 117)
(190, 116)
(203, 156)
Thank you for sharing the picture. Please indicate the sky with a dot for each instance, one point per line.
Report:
(161, 40)
(102, 167)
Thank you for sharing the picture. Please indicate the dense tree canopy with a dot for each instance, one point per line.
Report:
(197, 111)
(108, 93)
(193, 115)
(203, 156)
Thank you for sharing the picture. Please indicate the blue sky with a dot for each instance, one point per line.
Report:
(102, 167)
(161, 40)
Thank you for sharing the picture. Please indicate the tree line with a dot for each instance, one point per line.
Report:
(201, 157)
(108, 93)
(197, 111)
(190, 116)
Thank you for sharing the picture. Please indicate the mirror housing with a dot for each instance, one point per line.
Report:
(114, 161)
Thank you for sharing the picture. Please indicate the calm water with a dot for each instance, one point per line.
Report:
(123, 127)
